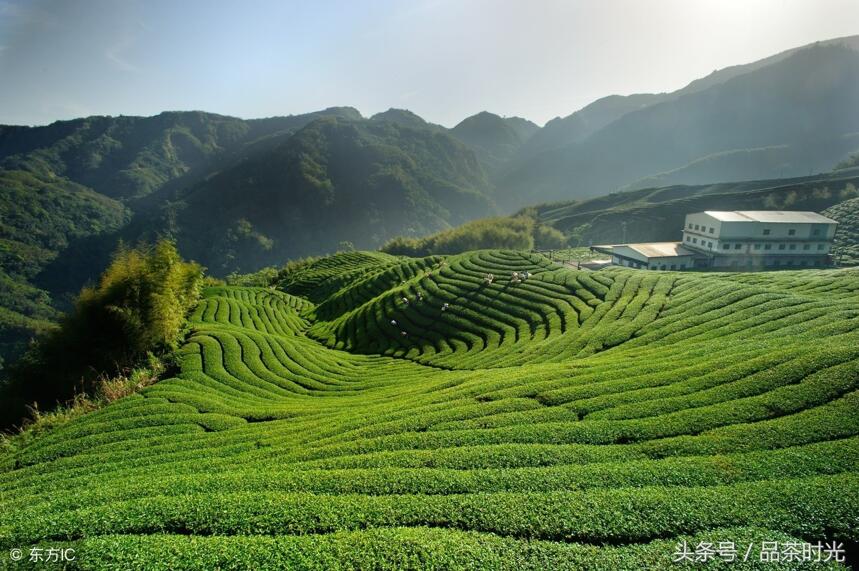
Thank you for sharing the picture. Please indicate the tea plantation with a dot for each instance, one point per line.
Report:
(381, 412)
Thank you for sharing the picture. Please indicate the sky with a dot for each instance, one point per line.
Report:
(442, 59)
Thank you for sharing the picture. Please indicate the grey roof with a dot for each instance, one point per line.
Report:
(658, 249)
(785, 216)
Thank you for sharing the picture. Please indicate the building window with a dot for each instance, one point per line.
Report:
(757, 246)
(737, 246)
(781, 246)
(690, 226)
(791, 232)
(711, 230)
(726, 247)
(696, 226)
(710, 245)
(682, 266)
(820, 246)
(793, 246)
(766, 231)
(673, 266)
(806, 246)
(815, 232)
(768, 246)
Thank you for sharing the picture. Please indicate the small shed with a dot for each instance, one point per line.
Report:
(651, 255)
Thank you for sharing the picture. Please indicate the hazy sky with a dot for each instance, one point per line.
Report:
(443, 59)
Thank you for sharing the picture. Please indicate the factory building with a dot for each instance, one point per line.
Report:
(742, 240)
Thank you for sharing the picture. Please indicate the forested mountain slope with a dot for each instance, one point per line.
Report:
(230, 190)
(803, 104)
(335, 180)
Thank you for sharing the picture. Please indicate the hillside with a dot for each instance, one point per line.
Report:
(657, 214)
(575, 420)
(578, 126)
(847, 233)
(41, 215)
(131, 157)
(333, 181)
(729, 116)
(238, 194)
(735, 165)
(71, 190)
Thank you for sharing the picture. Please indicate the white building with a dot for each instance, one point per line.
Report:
(739, 240)
(754, 239)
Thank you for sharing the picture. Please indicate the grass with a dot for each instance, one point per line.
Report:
(579, 420)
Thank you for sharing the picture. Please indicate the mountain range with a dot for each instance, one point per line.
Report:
(786, 116)
(239, 194)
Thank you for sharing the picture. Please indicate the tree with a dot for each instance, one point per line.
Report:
(138, 307)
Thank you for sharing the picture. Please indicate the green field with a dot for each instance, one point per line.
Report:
(576, 420)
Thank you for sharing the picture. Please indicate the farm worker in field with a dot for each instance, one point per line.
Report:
(406, 300)
(526, 274)
(488, 278)
(394, 322)
(403, 333)
(444, 307)
(420, 297)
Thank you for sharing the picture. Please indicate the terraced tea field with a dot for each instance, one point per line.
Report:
(380, 412)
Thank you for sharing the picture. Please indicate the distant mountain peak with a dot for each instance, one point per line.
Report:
(494, 137)
(400, 116)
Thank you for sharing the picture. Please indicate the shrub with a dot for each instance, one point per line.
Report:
(138, 307)
(514, 233)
